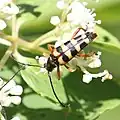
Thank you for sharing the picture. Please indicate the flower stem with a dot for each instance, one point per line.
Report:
(5, 57)
(53, 35)
(24, 45)
(13, 46)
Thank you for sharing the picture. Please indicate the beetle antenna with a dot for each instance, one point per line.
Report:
(25, 64)
(61, 103)
(3, 109)
(12, 77)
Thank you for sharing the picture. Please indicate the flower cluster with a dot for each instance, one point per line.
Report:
(79, 15)
(7, 9)
(9, 93)
(92, 61)
(85, 17)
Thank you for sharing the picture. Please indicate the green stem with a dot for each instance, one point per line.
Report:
(46, 38)
(53, 35)
(39, 40)
(24, 45)
(14, 33)
(13, 47)
(5, 57)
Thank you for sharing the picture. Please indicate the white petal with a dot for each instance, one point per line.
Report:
(87, 78)
(4, 2)
(77, 6)
(99, 53)
(6, 9)
(43, 70)
(70, 17)
(60, 4)
(84, 18)
(2, 24)
(2, 96)
(42, 60)
(98, 21)
(16, 90)
(6, 102)
(108, 76)
(13, 9)
(95, 64)
(55, 20)
(16, 100)
(15, 118)
(9, 85)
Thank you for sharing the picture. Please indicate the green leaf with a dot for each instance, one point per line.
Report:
(106, 41)
(39, 102)
(106, 37)
(40, 83)
(109, 13)
(109, 115)
(39, 11)
(91, 100)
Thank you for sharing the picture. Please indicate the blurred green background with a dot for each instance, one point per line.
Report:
(36, 16)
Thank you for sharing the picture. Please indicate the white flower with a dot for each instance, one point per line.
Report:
(106, 76)
(2, 24)
(9, 93)
(4, 2)
(60, 4)
(95, 62)
(92, 61)
(7, 9)
(55, 20)
(42, 61)
(12, 9)
(82, 16)
(87, 77)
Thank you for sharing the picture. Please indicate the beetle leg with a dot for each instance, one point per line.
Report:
(58, 72)
(51, 48)
(71, 70)
(84, 55)
(75, 33)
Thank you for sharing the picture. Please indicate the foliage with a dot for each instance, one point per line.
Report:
(87, 101)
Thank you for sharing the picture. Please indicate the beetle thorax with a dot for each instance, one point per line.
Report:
(52, 63)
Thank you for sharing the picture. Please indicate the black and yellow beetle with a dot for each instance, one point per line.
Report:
(63, 53)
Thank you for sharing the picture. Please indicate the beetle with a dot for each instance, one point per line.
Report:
(62, 54)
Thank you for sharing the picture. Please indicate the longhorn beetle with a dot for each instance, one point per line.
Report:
(62, 54)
